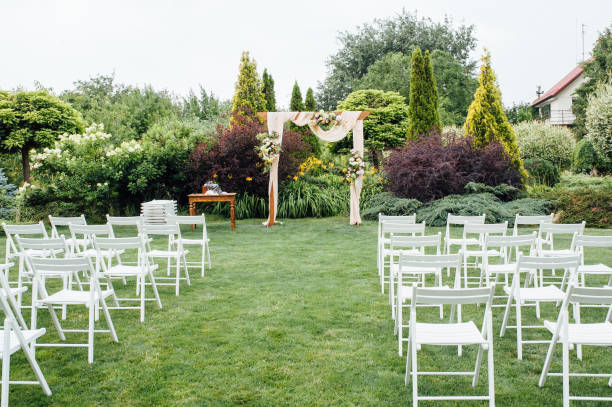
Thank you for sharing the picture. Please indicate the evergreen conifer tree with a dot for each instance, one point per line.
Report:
(268, 90)
(310, 104)
(248, 97)
(423, 108)
(296, 104)
(486, 120)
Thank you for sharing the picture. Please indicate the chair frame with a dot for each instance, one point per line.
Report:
(401, 219)
(204, 243)
(56, 221)
(454, 297)
(482, 230)
(579, 242)
(561, 332)
(389, 229)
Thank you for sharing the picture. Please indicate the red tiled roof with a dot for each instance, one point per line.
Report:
(559, 86)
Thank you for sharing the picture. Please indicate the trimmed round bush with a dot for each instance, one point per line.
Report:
(537, 140)
(586, 159)
(542, 172)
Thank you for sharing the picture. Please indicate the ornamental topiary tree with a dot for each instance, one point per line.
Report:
(30, 120)
(267, 84)
(486, 120)
(296, 104)
(423, 107)
(386, 125)
(248, 97)
(310, 105)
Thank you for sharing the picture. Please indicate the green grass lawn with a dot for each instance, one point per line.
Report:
(288, 316)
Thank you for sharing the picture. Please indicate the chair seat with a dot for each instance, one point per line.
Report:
(463, 333)
(73, 297)
(501, 268)
(167, 253)
(38, 253)
(548, 293)
(595, 269)
(407, 252)
(94, 253)
(200, 242)
(14, 290)
(587, 334)
(560, 252)
(14, 345)
(414, 270)
(404, 292)
(126, 270)
(79, 242)
(460, 241)
(478, 253)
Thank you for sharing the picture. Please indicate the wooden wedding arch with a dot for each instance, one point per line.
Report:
(347, 121)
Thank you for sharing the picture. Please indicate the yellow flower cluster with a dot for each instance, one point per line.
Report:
(313, 164)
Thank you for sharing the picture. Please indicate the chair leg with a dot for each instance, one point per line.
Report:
(548, 360)
(159, 304)
(37, 372)
(90, 334)
(141, 281)
(415, 387)
(576, 308)
(566, 390)
(178, 273)
(479, 356)
(519, 331)
(186, 270)
(408, 362)
(491, 362)
(109, 321)
(398, 324)
(6, 363)
(202, 265)
(209, 258)
(502, 332)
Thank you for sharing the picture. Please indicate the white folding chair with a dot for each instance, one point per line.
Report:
(382, 241)
(577, 334)
(14, 335)
(90, 299)
(451, 334)
(203, 243)
(11, 294)
(459, 220)
(122, 221)
(389, 229)
(505, 249)
(174, 251)
(533, 220)
(474, 234)
(44, 248)
(579, 242)
(409, 245)
(536, 295)
(419, 266)
(56, 221)
(556, 229)
(142, 270)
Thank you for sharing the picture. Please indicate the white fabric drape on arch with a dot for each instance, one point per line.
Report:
(349, 120)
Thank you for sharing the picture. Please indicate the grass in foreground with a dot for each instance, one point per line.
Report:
(291, 315)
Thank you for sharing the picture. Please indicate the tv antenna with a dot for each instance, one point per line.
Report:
(582, 26)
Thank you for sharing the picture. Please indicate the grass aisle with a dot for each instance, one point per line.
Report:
(288, 316)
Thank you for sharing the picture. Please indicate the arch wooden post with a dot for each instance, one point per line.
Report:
(271, 205)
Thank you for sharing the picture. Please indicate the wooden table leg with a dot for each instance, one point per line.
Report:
(233, 213)
(192, 211)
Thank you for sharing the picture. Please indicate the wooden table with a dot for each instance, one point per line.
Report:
(231, 198)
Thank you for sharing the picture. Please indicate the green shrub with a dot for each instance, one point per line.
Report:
(582, 180)
(504, 192)
(7, 197)
(387, 204)
(537, 140)
(435, 213)
(542, 172)
(586, 159)
(599, 121)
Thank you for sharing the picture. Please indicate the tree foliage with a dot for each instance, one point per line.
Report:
(486, 120)
(205, 107)
(371, 42)
(423, 115)
(455, 83)
(310, 105)
(248, 97)
(519, 113)
(596, 70)
(599, 121)
(267, 84)
(386, 125)
(127, 112)
(30, 120)
(296, 104)
(540, 140)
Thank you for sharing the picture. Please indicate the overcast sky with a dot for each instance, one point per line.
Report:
(180, 44)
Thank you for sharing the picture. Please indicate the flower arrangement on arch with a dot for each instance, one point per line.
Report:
(269, 149)
(325, 120)
(355, 168)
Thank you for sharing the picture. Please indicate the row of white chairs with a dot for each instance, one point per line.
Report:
(85, 266)
(497, 255)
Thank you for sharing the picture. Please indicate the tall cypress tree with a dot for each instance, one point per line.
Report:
(422, 115)
(296, 104)
(432, 90)
(267, 84)
(486, 120)
(309, 103)
(248, 97)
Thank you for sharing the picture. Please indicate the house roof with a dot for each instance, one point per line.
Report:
(559, 86)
